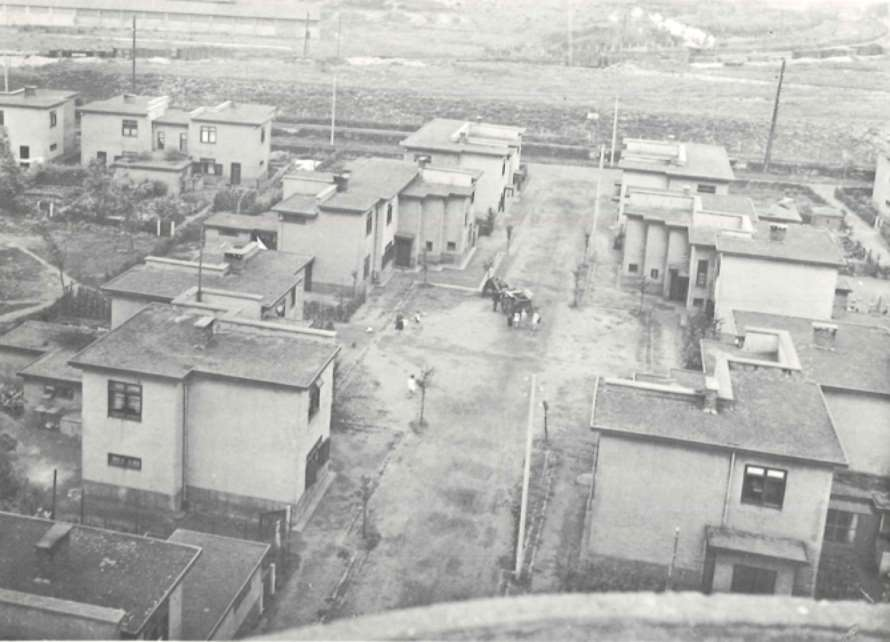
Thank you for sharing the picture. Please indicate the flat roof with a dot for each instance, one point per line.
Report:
(728, 204)
(702, 161)
(802, 244)
(372, 180)
(267, 273)
(438, 133)
(858, 360)
(122, 104)
(733, 539)
(162, 340)
(783, 213)
(39, 99)
(298, 204)
(235, 113)
(674, 217)
(174, 116)
(266, 222)
(53, 365)
(42, 336)
(225, 566)
(420, 188)
(93, 566)
(771, 414)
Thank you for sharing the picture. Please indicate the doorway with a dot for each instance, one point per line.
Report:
(235, 174)
(403, 251)
(679, 286)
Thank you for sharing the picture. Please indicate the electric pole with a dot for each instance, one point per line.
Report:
(333, 106)
(772, 125)
(614, 134)
(306, 38)
(133, 56)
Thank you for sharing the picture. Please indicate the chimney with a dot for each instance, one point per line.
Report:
(824, 335)
(423, 160)
(479, 119)
(709, 400)
(205, 325)
(129, 98)
(342, 180)
(30, 90)
(777, 232)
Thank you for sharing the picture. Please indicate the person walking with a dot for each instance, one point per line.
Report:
(412, 385)
(400, 322)
(495, 299)
(536, 320)
(523, 317)
(515, 319)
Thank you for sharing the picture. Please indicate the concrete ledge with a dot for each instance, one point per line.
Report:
(64, 607)
(614, 616)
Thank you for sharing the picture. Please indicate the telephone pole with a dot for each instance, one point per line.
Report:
(306, 38)
(333, 106)
(133, 56)
(772, 125)
(614, 134)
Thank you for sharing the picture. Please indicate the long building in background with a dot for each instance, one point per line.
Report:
(276, 19)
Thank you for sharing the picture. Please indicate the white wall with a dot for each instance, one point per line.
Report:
(30, 127)
(881, 191)
(774, 287)
(337, 241)
(102, 133)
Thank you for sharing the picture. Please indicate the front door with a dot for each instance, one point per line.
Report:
(102, 157)
(316, 459)
(679, 286)
(235, 174)
(753, 579)
(403, 251)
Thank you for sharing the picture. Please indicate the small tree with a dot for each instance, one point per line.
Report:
(58, 255)
(699, 326)
(12, 180)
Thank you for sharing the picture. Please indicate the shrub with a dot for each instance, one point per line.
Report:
(55, 174)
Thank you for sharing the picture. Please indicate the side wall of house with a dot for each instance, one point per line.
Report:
(235, 143)
(881, 191)
(103, 133)
(776, 287)
(337, 241)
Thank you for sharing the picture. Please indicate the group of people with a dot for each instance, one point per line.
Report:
(521, 318)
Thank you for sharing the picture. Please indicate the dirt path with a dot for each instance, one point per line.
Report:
(870, 238)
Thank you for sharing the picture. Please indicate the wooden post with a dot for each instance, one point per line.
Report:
(526, 476)
(546, 407)
(591, 248)
(614, 134)
(333, 107)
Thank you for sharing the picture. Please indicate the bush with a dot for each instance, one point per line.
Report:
(227, 200)
(149, 189)
(699, 326)
(54, 174)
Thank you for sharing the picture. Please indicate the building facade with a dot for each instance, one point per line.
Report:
(39, 123)
(880, 194)
(174, 424)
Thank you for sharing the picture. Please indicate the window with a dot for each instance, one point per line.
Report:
(698, 302)
(884, 527)
(162, 139)
(51, 391)
(53, 147)
(183, 142)
(24, 152)
(129, 128)
(102, 157)
(701, 274)
(763, 486)
(503, 168)
(262, 134)
(750, 579)
(293, 296)
(429, 246)
(314, 399)
(653, 273)
(706, 189)
(123, 461)
(369, 224)
(366, 269)
(451, 245)
(389, 214)
(2, 117)
(840, 526)
(125, 400)
(632, 267)
(53, 119)
(208, 134)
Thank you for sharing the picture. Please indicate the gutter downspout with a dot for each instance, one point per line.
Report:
(729, 478)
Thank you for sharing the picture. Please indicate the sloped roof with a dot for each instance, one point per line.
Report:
(41, 337)
(162, 340)
(53, 365)
(95, 566)
(174, 116)
(734, 539)
(802, 244)
(859, 359)
(225, 566)
(728, 204)
(771, 414)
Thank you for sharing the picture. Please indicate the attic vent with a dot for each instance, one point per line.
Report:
(777, 232)
(824, 335)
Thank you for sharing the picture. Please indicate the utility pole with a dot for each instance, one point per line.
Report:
(570, 10)
(614, 134)
(133, 56)
(596, 205)
(772, 125)
(306, 38)
(339, 31)
(526, 475)
(670, 576)
(55, 476)
(333, 107)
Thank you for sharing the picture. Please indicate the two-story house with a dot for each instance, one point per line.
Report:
(495, 150)
(437, 220)
(671, 165)
(738, 473)
(170, 401)
(69, 581)
(347, 221)
(232, 140)
(244, 279)
(39, 123)
(118, 127)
